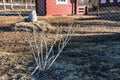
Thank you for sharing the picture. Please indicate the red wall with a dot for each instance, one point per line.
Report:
(58, 9)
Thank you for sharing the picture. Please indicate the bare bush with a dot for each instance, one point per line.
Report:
(43, 51)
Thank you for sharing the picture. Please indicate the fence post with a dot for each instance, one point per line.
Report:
(98, 8)
(11, 4)
(26, 4)
(4, 5)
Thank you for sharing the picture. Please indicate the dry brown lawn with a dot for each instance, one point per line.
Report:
(12, 42)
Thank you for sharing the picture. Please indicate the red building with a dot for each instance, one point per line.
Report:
(60, 7)
(104, 3)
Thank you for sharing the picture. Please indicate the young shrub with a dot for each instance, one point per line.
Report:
(43, 52)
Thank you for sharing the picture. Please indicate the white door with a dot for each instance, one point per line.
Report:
(102, 1)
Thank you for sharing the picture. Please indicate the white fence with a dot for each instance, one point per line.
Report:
(12, 6)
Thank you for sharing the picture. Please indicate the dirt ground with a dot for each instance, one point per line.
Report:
(90, 55)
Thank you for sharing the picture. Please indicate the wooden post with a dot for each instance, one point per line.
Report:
(4, 5)
(98, 8)
(11, 4)
(26, 4)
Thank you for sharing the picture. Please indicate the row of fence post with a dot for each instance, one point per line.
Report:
(12, 4)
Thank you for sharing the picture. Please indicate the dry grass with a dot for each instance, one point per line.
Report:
(7, 20)
(91, 31)
(12, 41)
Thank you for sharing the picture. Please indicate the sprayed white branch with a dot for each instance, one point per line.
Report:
(44, 54)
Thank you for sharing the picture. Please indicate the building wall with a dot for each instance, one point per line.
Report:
(58, 9)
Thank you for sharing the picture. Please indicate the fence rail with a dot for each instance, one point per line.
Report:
(18, 6)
